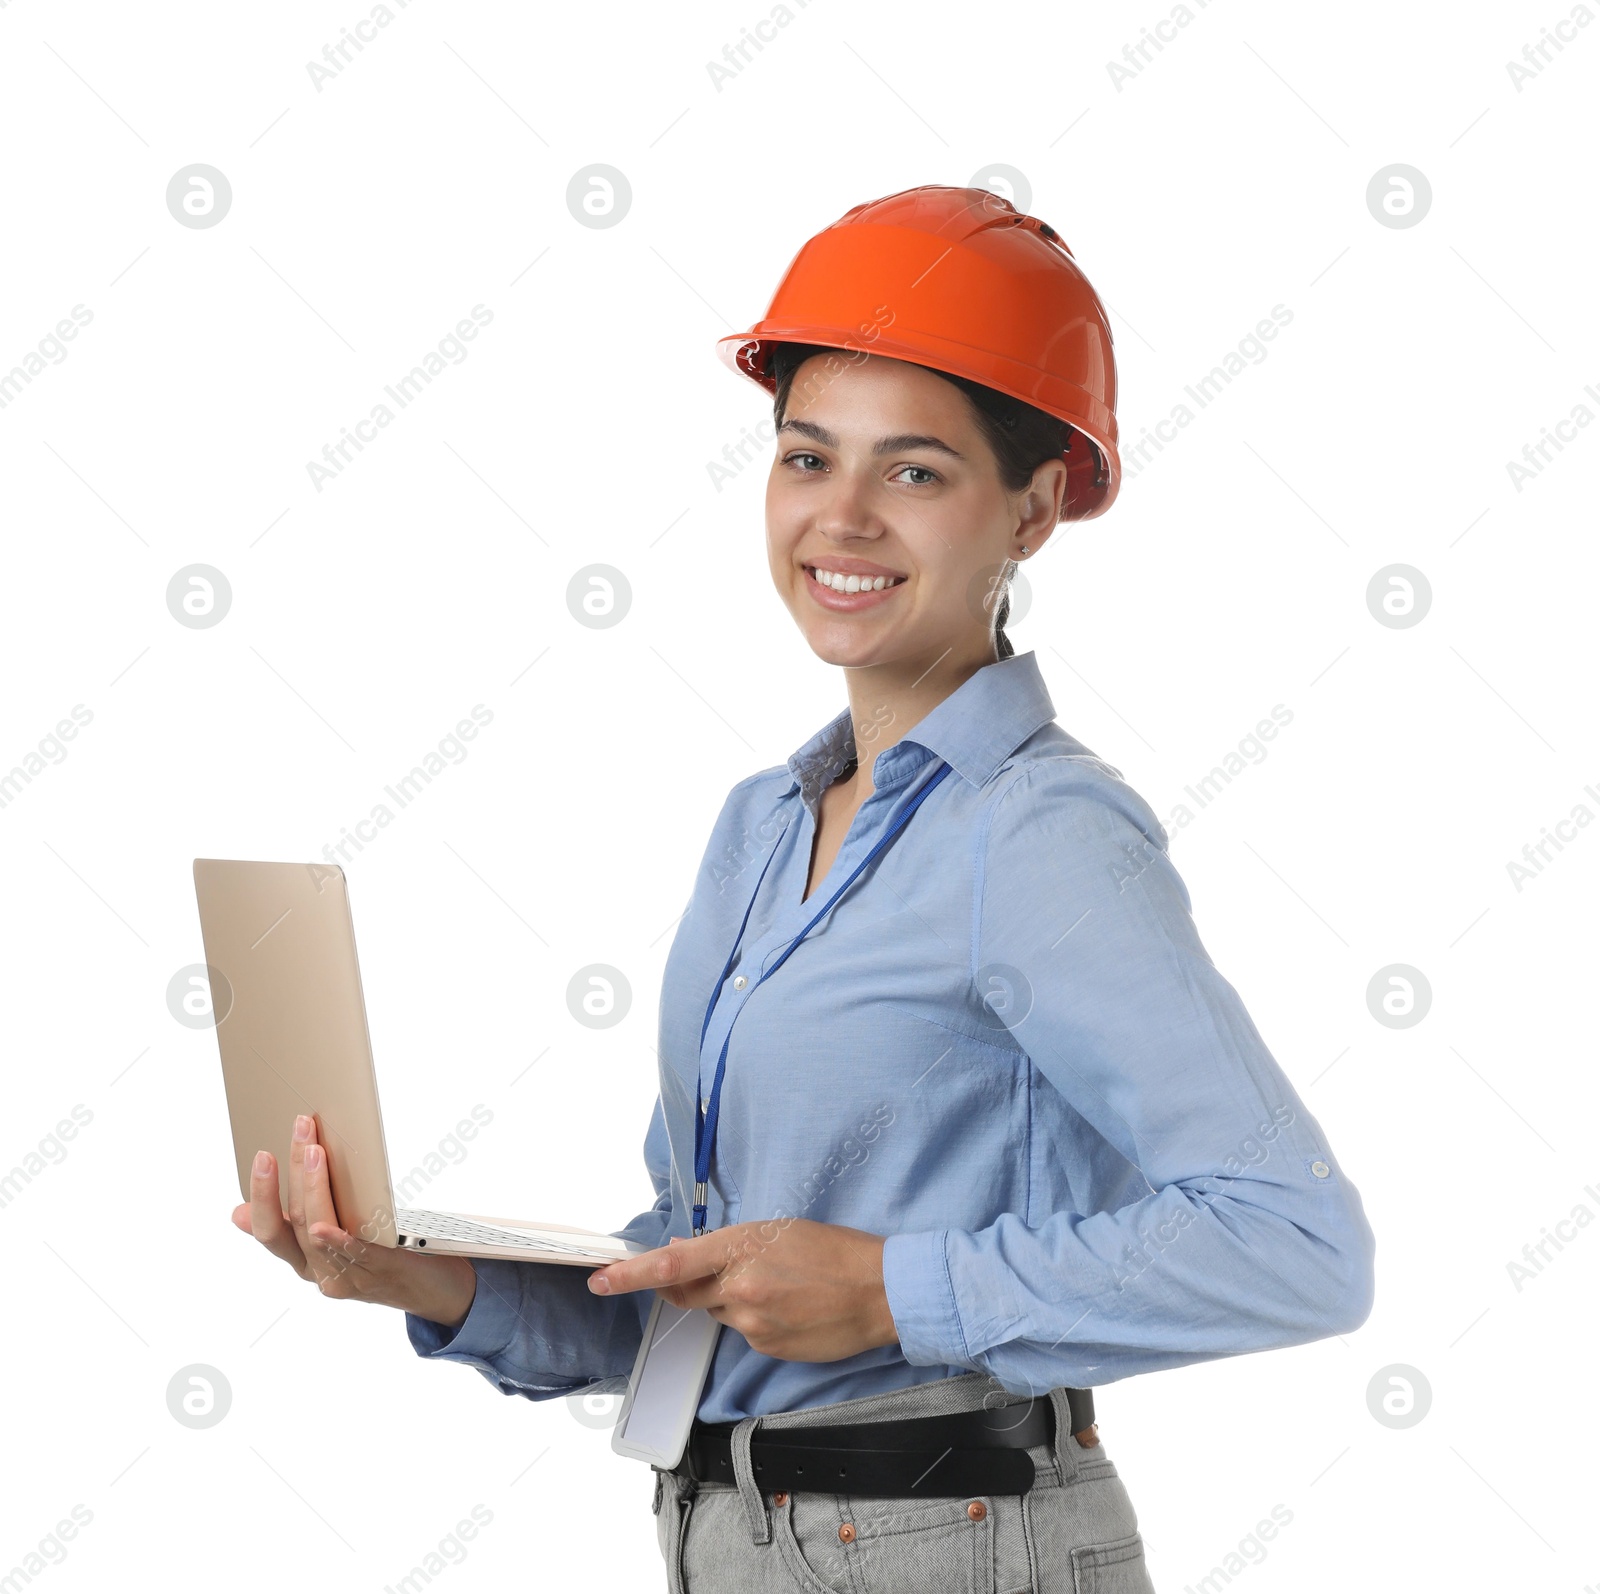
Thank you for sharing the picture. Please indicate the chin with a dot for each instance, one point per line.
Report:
(846, 653)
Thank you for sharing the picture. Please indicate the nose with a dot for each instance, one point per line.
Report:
(850, 507)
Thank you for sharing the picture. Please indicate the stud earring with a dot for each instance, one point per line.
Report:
(1024, 553)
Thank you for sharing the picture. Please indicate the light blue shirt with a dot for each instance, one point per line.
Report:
(1006, 1049)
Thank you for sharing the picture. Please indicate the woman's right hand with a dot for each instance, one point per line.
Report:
(343, 1266)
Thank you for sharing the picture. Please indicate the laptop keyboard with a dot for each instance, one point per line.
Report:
(446, 1226)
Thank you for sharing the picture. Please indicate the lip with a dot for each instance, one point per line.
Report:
(850, 602)
(850, 567)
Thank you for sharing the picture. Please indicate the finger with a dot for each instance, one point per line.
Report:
(303, 1135)
(328, 1264)
(316, 1183)
(266, 1217)
(342, 1264)
(665, 1267)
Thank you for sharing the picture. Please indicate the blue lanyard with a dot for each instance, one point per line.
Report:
(705, 1118)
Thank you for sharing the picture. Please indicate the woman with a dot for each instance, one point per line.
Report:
(993, 1129)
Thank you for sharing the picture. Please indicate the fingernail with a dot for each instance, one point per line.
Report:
(263, 1165)
(302, 1127)
(313, 1158)
(599, 1283)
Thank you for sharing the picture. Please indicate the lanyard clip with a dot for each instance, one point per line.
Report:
(699, 1207)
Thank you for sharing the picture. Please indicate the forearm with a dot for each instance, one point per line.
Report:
(1178, 1277)
(534, 1329)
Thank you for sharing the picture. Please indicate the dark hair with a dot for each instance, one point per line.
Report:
(1020, 436)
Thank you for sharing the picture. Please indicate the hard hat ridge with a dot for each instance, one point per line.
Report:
(959, 280)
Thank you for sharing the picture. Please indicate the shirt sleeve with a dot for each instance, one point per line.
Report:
(1246, 1236)
(535, 1329)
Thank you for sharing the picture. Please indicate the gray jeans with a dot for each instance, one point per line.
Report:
(1074, 1532)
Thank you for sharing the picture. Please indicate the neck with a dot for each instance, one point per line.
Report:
(887, 700)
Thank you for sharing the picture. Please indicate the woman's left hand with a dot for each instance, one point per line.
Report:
(796, 1290)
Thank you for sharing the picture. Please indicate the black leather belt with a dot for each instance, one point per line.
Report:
(968, 1452)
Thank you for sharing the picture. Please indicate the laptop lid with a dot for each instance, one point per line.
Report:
(291, 1026)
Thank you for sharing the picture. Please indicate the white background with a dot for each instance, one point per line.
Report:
(1227, 175)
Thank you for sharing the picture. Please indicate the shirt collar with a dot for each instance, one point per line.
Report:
(974, 730)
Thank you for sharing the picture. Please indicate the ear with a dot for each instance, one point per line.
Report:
(1039, 508)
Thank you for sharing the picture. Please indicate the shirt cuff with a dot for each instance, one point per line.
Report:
(489, 1325)
(922, 1301)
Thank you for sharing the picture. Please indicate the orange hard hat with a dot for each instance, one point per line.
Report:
(960, 281)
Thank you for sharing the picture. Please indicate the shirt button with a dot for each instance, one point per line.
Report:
(739, 982)
(1321, 1169)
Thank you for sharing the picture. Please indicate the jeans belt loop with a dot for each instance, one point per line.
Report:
(755, 1506)
(1067, 1452)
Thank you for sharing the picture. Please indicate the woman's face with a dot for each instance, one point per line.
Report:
(882, 472)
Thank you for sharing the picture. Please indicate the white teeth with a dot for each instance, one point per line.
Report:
(844, 583)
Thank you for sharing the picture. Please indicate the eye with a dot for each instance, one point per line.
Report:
(796, 458)
(928, 477)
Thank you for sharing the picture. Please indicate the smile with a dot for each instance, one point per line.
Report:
(833, 589)
(843, 583)
(844, 594)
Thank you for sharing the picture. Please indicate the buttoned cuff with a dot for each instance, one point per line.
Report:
(922, 1300)
(489, 1325)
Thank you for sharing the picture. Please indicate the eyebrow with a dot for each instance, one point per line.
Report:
(884, 445)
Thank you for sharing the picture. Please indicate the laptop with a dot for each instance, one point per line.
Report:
(291, 1025)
